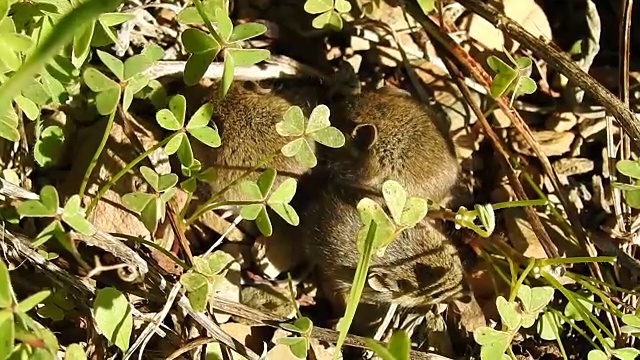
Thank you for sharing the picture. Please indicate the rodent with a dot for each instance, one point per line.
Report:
(390, 136)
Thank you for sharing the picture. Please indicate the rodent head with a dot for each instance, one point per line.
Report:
(392, 136)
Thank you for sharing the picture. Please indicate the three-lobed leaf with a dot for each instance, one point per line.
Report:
(494, 343)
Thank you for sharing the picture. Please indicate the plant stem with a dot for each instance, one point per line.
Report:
(125, 170)
(221, 204)
(96, 155)
(206, 206)
(519, 203)
(523, 276)
(152, 244)
(580, 259)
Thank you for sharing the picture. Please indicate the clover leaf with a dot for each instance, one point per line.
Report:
(152, 207)
(278, 201)
(317, 128)
(511, 79)
(493, 343)
(203, 48)
(173, 119)
(201, 280)
(329, 10)
(130, 75)
(406, 212)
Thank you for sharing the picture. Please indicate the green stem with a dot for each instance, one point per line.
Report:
(206, 206)
(221, 204)
(523, 276)
(125, 170)
(580, 259)
(579, 307)
(519, 203)
(96, 155)
(293, 297)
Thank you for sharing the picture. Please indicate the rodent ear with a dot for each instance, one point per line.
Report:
(365, 136)
(380, 282)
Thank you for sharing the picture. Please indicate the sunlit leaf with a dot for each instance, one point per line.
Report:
(246, 57)
(112, 63)
(107, 101)
(318, 6)
(97, 81)
(207, 136)
(246, 31)
(112, 315)
(197, 41)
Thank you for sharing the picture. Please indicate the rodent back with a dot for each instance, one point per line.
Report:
(392, 136)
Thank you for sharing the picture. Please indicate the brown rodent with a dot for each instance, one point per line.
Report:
(390, 136)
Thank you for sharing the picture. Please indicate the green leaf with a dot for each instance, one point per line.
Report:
(629, 168)
(185, 153)
(319, 119)
(134, 85)
(400, 345)
(597, 355)
(535, 299)
(508, 313)
(53, 229)
(78, 223)
(112, 315)
(627, 353)
(178, 106)
(342, 6)
(82, 43)
(151, 214)
(370, 210)
(107, 101)
(207, 136)
(247, 31)
(193, 281)
(223, 23)
(201, 117)
(246, 57)
(8, 331)
(75, 352)
(197, 41)
(330, 137)
(198, 298)
(112, 63)
(548, 326)
(380, 350)
(297, 345)
(496, 64)
(189, 16)
(28, 107)
(174, 144)
(34, 208)
(292, 123)
(526, 86)
(32, 301)
(49, 198)
(136, 201)
(168, 120)
(632, 198)
(113, 19)
(136, 65)
(284, 193)
(227, 75)
(167, 195)
(6, 291)
(292, 148)
(167, 181)
(264, 223)
(571, 310)
(301, 151)
(318, 6)
(4, 9)
(218, 261)
(494, 343)
(395, 196)
(251, 191)
(415, 209)
(17, 42)
(97, 81)
(502, 82)
(197, 65)
(266, 180)
(330, 19)
(523, 63)
(153, 52)
(286, 212)
(49, 146)
(150, 176)
(304, 324)
(9, 128)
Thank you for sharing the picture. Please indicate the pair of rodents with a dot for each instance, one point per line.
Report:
(389, 135)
